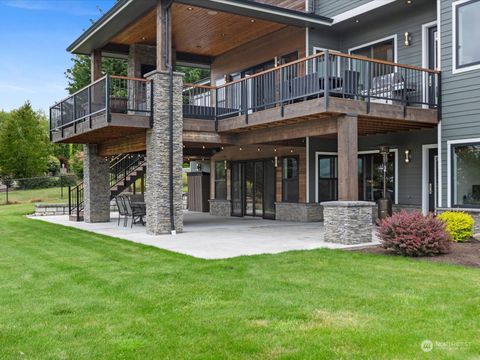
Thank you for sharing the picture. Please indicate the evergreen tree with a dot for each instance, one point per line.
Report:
(24, 143)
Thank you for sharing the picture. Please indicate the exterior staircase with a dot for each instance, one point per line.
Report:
(124, 171)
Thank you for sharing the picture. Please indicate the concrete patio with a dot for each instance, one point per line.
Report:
(211, 237)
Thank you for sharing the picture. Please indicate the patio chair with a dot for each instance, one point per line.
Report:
(121, 209)
(135, 211)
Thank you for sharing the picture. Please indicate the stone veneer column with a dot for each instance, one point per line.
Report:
(348, 222)
(96, 179)
(157, 193)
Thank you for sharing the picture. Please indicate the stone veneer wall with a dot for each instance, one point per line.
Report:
(300, 212)
(474, 212)
(395, 208)
(96, 180)
(157, 194)
(348, 222)
(50, 209)
(220, 207)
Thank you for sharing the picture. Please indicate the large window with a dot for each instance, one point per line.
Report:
(466, 175)
(290, 179)
(383, 50)
(466, 33)
(370, 177)
(220, 181)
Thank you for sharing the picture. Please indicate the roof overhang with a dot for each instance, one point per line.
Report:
(125, 12)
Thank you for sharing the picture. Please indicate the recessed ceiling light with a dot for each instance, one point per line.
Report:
(212, 12)
(252, 20)
(223, 34)
(189, 8)
(409, 2)
(144, 38)
(357, 21)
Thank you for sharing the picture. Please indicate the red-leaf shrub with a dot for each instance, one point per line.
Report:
(413, 234)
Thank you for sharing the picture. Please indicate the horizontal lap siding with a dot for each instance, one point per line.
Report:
(460, 95)
(395, 25)
(409, 175)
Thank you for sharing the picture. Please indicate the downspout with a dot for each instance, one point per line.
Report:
(166, 54)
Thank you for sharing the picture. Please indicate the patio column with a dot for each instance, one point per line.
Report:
(96, 179)
(163, 193)
(347, 127)
(348, 221)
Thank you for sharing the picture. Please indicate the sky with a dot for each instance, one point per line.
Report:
(34, 35)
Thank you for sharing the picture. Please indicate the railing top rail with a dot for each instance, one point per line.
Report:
(192, 86)
(383, 62)
(128, 78)
(79, 91)
(320, 54)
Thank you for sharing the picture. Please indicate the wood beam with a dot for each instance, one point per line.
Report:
(96, 65)
(164, 34)
(347, 158)
(288, 132)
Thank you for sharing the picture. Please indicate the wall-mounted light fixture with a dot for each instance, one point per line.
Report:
(276, 161)
(408, 156)
(408, 38)
(225, 164)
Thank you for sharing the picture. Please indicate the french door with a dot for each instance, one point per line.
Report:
(253, 188)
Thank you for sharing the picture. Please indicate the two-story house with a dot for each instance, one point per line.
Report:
(302, 98)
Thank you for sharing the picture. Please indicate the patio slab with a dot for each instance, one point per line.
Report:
(212, 237)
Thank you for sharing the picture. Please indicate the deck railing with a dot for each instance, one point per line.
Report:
(325, 74)
(107, 95)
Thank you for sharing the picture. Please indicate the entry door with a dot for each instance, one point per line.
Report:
(269, 189)
(432, 61)
(432, 179)
(237, 189)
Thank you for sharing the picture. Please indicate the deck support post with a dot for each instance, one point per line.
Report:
(157, 192)
(95, 65)
(347, 127)
(96, 178)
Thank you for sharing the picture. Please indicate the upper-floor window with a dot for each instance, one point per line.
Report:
(466, 31)
(383, 50)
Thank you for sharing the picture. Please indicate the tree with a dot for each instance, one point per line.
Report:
(78, 76)
(24, 143)
(192, 75)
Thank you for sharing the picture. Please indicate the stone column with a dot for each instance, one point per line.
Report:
(96, 179)
(157, 193)
(348, 222)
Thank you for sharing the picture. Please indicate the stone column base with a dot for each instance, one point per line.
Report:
(348, 222)
(300, 212)
(220, 207)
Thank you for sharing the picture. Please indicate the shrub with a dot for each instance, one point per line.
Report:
(459, 224)
(413, 234)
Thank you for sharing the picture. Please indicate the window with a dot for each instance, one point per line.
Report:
(466, 33)
(370, 177)
(220, 181)
(466, 175)
(383, 50)
(290, 179)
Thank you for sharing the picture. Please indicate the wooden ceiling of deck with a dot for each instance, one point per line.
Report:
(198, 30)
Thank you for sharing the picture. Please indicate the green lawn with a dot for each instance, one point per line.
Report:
(70, 294)
(32, 196)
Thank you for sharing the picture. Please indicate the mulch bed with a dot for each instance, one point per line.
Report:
(466, 253)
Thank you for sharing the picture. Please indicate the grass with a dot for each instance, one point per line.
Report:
(66, 293)
(32, 196)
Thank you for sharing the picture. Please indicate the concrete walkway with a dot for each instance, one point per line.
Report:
(212, 237)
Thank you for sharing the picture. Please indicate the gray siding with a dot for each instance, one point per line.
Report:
(395, 25)
(409, 175)
(460, 96)
(364, 33)
(331, 8)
